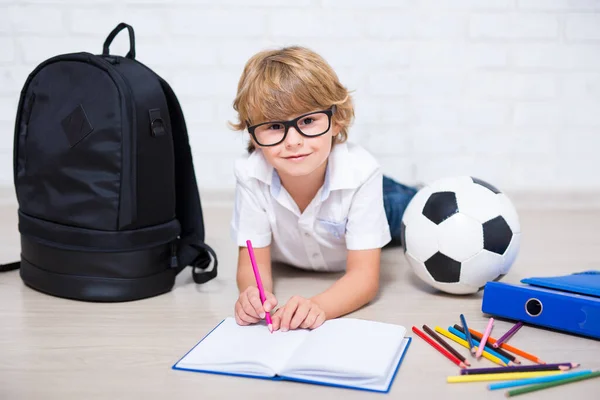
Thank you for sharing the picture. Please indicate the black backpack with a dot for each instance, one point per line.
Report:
(109, 209)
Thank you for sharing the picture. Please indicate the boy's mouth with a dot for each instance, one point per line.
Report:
(297, 157)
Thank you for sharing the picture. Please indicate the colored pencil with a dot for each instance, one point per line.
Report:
(439, 348)
(499, 377)
(489, 350)
(520, 368)
(510, 348)
(261, 290)
(464, 343)
(469, 339)
(547, 385)
(508, 334)
(485, 337)
(445, 344)
(499, 351)
(541, 379)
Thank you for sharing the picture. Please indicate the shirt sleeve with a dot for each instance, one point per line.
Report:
(367, 226)
(250, 220)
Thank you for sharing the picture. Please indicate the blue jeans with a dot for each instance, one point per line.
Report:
(396, 197)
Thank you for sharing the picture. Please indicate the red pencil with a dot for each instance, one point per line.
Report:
(439, 348)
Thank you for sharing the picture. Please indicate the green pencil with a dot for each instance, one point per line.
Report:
(546, 385)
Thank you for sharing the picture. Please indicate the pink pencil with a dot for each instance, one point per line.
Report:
(261, 290)
(484, 339)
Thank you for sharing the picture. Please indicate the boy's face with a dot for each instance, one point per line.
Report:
(299, 155)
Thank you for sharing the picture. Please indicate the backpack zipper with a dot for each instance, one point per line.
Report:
(127, 214)
(174, 263)
(23, 134)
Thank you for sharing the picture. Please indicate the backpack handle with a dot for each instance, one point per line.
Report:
(113, 34)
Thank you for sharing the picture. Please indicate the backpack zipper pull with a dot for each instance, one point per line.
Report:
(174, 262)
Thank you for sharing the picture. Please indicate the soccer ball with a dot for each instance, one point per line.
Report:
(459, 233)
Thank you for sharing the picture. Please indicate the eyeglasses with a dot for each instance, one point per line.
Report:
(272, 133)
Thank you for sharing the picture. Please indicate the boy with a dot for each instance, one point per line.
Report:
(304, 196)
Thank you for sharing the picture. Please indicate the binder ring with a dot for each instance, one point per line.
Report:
(534, 307)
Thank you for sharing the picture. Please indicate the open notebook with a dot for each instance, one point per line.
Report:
(345, 352)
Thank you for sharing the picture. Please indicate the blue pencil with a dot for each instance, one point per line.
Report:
(469, 339)
(486, 348)
(541, 379)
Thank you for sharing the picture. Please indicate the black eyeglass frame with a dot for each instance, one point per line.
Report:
(293, 123)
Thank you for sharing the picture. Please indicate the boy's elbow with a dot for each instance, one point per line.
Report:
(364, 276)
(371, 289)
(374, 291)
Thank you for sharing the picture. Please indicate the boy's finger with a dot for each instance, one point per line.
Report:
(254, 301)
(248, 308)
(300, 315)
(278, 313)
(270, 303)
(319, 321)
(239, 320)
(276, 319)
(310, 319)
(247, 318)
(238, 312)
(288, 312)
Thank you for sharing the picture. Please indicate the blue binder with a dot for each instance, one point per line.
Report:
(567, 303)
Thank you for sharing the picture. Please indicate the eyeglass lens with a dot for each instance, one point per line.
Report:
(310, 125)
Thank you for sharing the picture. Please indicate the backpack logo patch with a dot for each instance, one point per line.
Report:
(76, 125)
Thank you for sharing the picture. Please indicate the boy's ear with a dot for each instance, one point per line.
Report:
(251, 145)
(337, 128)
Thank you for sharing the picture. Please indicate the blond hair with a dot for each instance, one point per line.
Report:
(276, 84)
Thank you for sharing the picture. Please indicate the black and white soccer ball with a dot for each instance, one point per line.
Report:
(459, 233)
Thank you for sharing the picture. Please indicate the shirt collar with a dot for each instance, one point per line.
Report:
(259, 168)
(341, 168)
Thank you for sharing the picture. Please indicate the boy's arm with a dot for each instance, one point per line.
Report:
(367, 230)
(357, 287)
(245, 273)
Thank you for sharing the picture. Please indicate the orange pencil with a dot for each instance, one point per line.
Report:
(439, 348)
(510, 348)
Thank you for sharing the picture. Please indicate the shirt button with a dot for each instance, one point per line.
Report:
(306, 234)
(315, 255)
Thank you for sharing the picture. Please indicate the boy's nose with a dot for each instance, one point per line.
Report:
(293, 138)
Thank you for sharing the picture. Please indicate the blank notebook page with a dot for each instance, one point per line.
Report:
(238, 349)
(348, 348)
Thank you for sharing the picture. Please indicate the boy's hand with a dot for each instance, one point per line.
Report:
(248, 307)
(298, 313)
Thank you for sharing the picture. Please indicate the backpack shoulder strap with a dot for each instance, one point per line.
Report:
(191, 249)
(10, 267)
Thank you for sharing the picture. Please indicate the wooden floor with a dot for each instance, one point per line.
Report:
(51, 348)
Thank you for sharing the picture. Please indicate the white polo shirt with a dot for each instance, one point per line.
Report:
(347, 212)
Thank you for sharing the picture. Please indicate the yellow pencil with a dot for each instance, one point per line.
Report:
(464, 343)
(500, 377)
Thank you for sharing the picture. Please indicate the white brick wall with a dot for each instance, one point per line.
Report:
(507, 90)
(513, 25)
